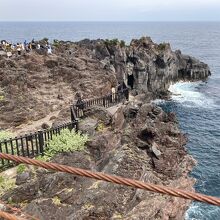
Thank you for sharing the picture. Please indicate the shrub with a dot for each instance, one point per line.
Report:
(21, 168)
(115, 42)
(5, 135)
(2, 97)
(100, 127)
(45, 39)
(122, 43)
(6, 184)
(112, 42)
(162, 46)
(67, 141)
(56, 201)
(56, 43)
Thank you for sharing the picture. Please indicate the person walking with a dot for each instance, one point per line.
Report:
(49, 50)
(80, 104)
(113, 94)
(18, 49)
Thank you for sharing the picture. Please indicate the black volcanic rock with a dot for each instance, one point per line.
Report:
(32, 82)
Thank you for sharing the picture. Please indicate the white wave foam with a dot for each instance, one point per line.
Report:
(199, 211)
(187, 94)
(193, 210)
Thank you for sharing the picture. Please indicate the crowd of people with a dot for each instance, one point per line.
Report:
(10, 49)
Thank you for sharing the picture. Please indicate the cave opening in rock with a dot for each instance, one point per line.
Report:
(131, 81)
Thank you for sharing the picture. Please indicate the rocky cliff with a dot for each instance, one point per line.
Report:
(146, 66)
(136, 140)
(34, 84)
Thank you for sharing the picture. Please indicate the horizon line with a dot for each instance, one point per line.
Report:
(108, 21)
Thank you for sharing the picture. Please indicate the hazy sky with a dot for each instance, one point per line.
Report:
(109, 10)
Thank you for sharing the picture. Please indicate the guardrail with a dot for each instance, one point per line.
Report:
(33, 144)
(77, 110)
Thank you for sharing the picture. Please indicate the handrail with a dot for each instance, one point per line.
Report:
(116, 179)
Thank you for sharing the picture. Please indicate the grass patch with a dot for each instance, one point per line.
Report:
(162, 46)
(56, 43)
(4, 135)
(21, 168)
(2, 97)
(115, 42)
(100, 126)
(56, 201)
(6, 184)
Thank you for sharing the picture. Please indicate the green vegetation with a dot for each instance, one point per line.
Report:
(67, 141)
(115, 42)
(88, 206)
(2, 97)
(6, 184)
(56, 42)
(162, 46)
(100, 126)
(2, 94)
(5, 135)
(122, 43)
(45, 39)
(56, 201)
(21, 168)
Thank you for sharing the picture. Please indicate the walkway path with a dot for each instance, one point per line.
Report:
(34, 125)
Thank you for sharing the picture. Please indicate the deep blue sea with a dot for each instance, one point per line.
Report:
(197, 105)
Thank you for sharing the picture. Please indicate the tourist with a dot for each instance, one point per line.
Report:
(49, 49)
(18, 49)
(9, 54)
(22, 47)
(80, 104)
(25, 43)
(125, 91)
(113, 94)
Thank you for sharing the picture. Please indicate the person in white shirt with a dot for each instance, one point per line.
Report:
(49, 49)
(113, 94)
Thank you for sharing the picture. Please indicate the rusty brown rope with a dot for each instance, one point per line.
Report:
(18, 211)
(8, 216)
(115, 179)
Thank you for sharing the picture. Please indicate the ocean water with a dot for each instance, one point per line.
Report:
(197, 105)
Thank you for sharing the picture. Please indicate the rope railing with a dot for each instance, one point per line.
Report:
(18, 211)
(8, 216)
(116, 179)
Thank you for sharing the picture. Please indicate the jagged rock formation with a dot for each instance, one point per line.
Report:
(146, 66)
(138, 141)
(128, 148)
(34, 84)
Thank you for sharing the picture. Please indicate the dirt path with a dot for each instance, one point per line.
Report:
(33, 126)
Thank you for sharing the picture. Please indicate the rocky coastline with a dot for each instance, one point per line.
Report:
(138, 139)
